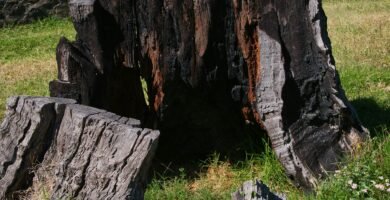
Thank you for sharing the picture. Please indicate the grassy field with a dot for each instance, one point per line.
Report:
(360, 34)
(27, 57)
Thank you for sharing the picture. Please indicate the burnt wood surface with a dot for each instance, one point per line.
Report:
(85, 152)
(211, 66)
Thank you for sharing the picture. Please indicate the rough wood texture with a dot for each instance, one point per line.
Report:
(76, 75)
(91, 153)
(25, 135)
(272, 58)
(256, 190)
(99, 155)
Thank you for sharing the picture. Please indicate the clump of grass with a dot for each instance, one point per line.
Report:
(43, 183)
(367, 175)
(221, 177)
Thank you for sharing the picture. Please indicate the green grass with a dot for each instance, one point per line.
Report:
(33, 41)
(368, 168)
(360, 34)
(27, 57)
(219, 179)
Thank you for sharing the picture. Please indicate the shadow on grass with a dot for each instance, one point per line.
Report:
(253, 142)
(204, 122)
(373, 116)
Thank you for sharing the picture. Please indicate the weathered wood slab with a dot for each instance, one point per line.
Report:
(99, 155)
(91, 153)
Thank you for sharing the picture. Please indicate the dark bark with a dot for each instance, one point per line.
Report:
(270, 59)
(85, 152)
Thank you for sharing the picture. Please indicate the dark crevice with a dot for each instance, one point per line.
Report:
(22, 108)
(25, 130)
(150, 116)
(200, 122)
(324, 33)
(292, 100)
(126, 159)
(117, 87)
(36, 149)
(10, 162)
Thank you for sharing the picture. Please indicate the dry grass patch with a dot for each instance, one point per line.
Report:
(43, 184)
(25, 77)
(217, 178)
(360, 32)
(27, 61)
(20, 70)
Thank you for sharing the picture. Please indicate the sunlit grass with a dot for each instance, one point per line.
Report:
(362, 178)
(33, 41)
(360, 32)
(220, 177)
(27, 57)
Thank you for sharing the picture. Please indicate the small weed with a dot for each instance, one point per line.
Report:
(367, 175)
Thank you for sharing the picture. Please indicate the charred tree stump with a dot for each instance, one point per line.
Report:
(86, 152)
(270, 59)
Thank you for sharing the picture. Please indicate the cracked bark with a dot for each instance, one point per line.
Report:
(270, 59)
(24, 138)
(88, 153)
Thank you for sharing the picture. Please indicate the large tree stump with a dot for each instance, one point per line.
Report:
(88, 153)
(271, 59)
